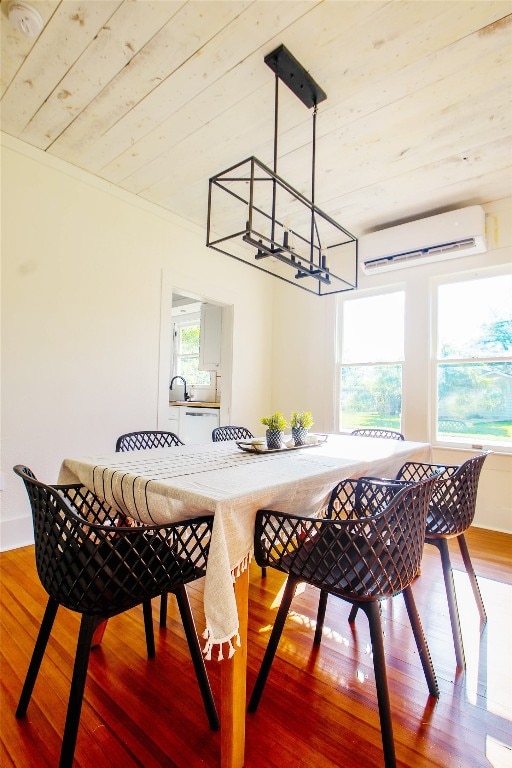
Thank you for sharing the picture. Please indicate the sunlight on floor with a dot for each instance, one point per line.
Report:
(487, 655)
(279, 596)
(489, 663)
(498, 754)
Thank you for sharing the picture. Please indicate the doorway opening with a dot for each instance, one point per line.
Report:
(195, 353)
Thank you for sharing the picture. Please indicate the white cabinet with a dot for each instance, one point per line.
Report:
(196, 424)
(193, 424)
(211, 337)
(174, 419)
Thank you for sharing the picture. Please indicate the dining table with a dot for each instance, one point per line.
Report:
(232, 481)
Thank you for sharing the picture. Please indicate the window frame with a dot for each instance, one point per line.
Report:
(399, 287)
(451, 442)
(188, 320)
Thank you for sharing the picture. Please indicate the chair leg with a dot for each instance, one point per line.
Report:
(197, 656)
(76, 693)
(353, 613)
(263, 572)
(289, 592)
(320, 616)
(37, 656)
(163, 610)
(442, 546)
(421, 643)
(379, 664)
(472, 578)
(148, 626)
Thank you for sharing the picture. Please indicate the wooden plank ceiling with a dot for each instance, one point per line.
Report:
(156, 97)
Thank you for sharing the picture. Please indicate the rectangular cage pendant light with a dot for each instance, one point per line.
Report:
(256, 217)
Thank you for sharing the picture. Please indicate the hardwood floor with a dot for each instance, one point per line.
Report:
(319, 708)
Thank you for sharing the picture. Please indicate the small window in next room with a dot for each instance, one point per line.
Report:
(473, 361)
(372, 353)
(186, 348)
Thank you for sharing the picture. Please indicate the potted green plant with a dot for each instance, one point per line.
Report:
(276, 424)
(300, 422)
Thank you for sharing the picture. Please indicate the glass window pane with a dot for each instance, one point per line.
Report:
(371, 396)
(188, 367)
(475, 401)
(189, 339)
(475, 318)
(373, 329)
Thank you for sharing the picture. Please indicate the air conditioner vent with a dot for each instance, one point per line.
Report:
(436, 238)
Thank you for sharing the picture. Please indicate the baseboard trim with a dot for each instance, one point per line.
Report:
(16, 532)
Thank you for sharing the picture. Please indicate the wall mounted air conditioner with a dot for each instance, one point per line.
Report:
(436, 238)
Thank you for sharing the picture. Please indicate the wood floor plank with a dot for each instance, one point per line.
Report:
(319, 708)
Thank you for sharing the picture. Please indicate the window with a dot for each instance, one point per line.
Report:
(186, 338)
(372, 352)
(474, 361)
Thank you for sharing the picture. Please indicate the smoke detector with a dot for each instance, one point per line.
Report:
(25, 18)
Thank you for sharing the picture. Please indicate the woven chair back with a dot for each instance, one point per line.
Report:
(220, 434)
(368, 549)
(90, 564)
(389, 434)
(139, 441)
(453, 504)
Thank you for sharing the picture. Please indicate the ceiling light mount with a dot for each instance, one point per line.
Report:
(293, 74)
(256, 217)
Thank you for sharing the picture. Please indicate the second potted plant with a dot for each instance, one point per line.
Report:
(300, 422)
(276, 424)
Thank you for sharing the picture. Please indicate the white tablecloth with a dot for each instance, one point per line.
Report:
(167, 484)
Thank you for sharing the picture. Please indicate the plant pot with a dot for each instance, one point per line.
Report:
(274, 439)
(300, 435)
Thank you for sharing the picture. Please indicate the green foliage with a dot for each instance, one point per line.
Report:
(301, 419)
(189, 339)
(498, 335)
(374, 389)
(276, 421)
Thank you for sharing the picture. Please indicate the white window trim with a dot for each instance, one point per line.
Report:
(365, 294)
(457, 277)
(182, 321)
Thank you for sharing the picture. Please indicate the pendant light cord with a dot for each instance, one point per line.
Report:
(274, 186)
(313, 165)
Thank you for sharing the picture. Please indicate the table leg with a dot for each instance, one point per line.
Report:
(98, 633)
(233, 687)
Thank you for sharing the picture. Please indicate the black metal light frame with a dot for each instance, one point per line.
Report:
(282, 233)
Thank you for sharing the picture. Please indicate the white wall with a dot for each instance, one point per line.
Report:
(83, 269)
(304, 358)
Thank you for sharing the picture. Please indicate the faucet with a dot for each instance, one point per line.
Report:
(186, 396)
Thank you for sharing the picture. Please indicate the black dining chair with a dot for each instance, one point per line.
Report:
(369, 549)
(220, 434)
(140, 441)
(389, 434)
(450, 514)
(90, 564)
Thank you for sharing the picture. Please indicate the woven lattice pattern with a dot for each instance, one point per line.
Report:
(389, 434)
(90, 564)
(369, 548)
(453, 503)
(352, 499)
(139, 441)
(220, 434)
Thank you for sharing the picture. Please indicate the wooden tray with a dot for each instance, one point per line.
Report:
(246, 445)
